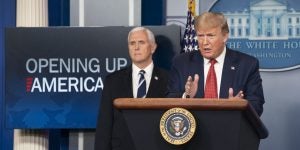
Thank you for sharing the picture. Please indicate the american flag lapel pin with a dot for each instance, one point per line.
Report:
(232, 68)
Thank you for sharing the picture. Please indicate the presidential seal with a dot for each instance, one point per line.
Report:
(177, 126)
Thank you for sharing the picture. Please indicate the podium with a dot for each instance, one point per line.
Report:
(221, 124)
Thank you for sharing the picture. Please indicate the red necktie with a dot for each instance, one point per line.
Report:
(211, 82)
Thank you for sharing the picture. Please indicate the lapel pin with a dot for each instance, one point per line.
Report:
(155, 77)
(232, 68)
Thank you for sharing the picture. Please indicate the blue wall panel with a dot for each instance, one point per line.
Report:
(153, 12)
(7, 19)
(59, 15)
(59, 12)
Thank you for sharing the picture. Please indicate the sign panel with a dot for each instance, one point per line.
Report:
(267, 29)
(55, 76)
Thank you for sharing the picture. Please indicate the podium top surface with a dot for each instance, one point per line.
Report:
(193, 103)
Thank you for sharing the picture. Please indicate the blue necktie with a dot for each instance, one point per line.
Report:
(141, 93)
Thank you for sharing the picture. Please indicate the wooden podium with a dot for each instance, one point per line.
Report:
(221, 124)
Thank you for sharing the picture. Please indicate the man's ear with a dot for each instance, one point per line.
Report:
(154, 46)
(226, 36)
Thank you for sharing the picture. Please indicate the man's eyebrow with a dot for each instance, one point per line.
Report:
(210, 34)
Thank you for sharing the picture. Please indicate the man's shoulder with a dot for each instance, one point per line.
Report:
(159, 69)
(241, 55)
(160, 72)
(119, 73)
(187, 56)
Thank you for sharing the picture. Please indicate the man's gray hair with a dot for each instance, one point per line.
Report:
(150, 34)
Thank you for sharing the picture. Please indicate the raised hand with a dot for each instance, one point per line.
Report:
(191, 86)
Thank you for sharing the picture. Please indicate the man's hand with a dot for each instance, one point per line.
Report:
(238, 95)
(191, 86)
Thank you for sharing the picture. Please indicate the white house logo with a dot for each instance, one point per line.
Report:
(266, 29)
(177, 126)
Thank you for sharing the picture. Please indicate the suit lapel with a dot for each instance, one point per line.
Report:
(154, 83)
(198, 68)
(127, 82)
(229, 70)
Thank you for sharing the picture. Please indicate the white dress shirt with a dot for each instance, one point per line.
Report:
(218, 69)
(135, 77)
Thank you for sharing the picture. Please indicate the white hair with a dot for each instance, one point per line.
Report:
(150, 34)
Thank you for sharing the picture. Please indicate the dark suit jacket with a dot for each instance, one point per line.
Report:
(240, 71)
(112, 131)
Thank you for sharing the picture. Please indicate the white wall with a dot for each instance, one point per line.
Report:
(105, 12)
(282, 109)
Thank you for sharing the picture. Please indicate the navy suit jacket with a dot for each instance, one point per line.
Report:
(240, 72)
(112, 131)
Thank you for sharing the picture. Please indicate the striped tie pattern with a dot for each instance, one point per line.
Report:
(141, 93)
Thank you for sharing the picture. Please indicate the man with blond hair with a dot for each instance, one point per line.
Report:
(216, 71)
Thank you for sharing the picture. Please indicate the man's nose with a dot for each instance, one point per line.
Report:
(137, 46)
(205, 40)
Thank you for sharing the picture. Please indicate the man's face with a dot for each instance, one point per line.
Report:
(211, 42)
(140, 48)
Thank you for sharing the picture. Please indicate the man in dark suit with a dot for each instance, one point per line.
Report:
(236, 74)
(112, 131)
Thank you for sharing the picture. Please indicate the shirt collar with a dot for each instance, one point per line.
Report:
(148, 69)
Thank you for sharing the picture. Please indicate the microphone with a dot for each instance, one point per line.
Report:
(187, 95)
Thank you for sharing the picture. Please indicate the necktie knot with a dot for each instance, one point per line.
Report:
(213, 61)
(142, 72)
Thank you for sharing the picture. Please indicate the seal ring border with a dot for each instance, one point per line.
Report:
(188, 136)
